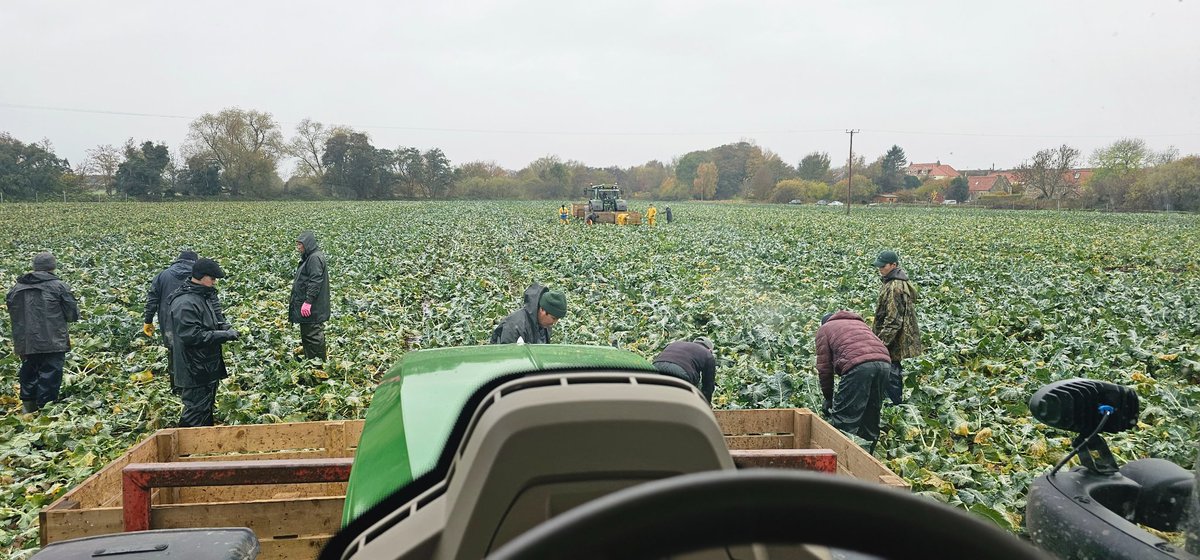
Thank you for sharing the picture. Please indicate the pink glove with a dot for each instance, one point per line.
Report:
(306, 309)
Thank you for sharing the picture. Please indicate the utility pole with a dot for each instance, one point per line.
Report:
(850, 169)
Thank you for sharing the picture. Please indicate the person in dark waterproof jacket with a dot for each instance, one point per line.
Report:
(199, 330)
(163, 285)
(847, 348)
(309, 304)
(531, 323)
(692, 361)
(40, 306)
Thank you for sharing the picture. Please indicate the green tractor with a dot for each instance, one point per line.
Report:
(605, 206)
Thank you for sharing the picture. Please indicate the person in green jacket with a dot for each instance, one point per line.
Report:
(309, 304)
(896, 320)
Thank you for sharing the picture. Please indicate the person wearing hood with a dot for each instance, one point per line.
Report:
(40, 306)
(896, 320)
(163, 285)
(198, 333)
(847, 348)
(532, 323)
(692, 361)
(309, 305)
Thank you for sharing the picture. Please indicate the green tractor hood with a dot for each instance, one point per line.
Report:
(416, 405)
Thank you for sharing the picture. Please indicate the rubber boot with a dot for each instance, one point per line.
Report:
(29, 407)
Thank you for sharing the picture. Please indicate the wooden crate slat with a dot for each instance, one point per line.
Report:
(63, 524)
(306, 454)
(748, 422)
(106, 483)
(291, 549)
(267, 518)
(205, 494)
(852, 459)
(759, 442)
(251, 438)
(802, 421)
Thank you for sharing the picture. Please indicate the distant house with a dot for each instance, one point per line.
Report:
(932, 171)
(988, 184)
(1011, 176)
(1077, 177)
(886, 198)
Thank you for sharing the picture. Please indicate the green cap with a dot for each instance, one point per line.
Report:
(554, 303)
(886, 257)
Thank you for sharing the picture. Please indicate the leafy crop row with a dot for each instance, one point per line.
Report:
(1010, 300)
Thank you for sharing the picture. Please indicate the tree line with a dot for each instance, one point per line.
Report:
(238, 153)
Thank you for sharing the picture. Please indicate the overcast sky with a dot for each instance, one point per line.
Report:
(615, 83)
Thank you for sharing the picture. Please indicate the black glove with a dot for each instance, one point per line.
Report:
(226, 335)
(827, 408)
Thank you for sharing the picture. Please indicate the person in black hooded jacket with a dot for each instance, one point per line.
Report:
(199, 332)
(531, 324)
(40, 306)
(309, 303)
(163, 285)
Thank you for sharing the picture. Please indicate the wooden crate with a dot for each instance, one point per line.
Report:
(799, 428)
(291, 520)
(295, 520)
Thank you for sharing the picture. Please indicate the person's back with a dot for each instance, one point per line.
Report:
(846, 348)
(693, 361)
(40, 306)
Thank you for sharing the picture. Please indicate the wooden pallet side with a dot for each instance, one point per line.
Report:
(802, 420)
(285, 528)
(106, 483)
(210, 494)
(755, 422)
(852, 459)
(258, 438)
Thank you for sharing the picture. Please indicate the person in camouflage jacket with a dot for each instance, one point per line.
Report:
(896, 319)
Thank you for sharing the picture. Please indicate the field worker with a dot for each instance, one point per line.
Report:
(896, 320)
(622, 218)
(198, 333)
(563, 213)
(163, 285)
(591, 218)
(692, 361)
(651, 214)
(847, 348)
(532, 323)
(667, 213)
(40, 306)
(310, 296)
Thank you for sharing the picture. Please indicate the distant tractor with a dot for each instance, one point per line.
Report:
(605, 202)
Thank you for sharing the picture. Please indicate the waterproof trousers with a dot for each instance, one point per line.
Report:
(41, 377)
(198, 403)
(858, 398)
(312, 336)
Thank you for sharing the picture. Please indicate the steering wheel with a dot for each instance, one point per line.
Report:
(716, 508)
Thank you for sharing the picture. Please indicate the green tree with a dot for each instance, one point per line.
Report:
(892, 173)
(959, 189)
(308, 145)
(31, 170)
(355, 168)
(734, 166)
(815, 167)
(201, 177)
(768, 173)
(647, 177)
(1170, 186)
(704, 186)
(245, 144)
(141, 174)
(439, 175)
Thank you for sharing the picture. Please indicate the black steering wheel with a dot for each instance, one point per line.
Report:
(718, 508)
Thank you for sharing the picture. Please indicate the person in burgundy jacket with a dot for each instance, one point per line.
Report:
(847, 348)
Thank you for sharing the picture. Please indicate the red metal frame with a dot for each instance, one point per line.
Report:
(139, 479)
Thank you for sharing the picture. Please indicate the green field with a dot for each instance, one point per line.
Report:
(1009, 300)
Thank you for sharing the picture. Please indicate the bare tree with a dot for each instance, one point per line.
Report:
(245, 145)
(103, 161)
(1048, 174)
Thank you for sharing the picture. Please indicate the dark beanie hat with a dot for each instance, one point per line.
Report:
(44, 261)
(554, 303)
(207, 267)
(188, 255)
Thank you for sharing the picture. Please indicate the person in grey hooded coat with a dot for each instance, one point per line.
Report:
(531, 323)
(40, 306)
(309, 303)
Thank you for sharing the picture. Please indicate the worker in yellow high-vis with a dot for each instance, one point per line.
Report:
(651, 213)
